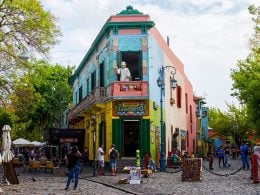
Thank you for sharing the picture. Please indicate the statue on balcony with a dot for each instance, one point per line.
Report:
(124, 72)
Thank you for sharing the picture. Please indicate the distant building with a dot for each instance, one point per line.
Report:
(202, 127)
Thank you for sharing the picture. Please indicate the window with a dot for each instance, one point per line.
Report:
(133, 61)
(101, 75)
(187, 139)
(194, 145)
(178, 93)
(87, 86)
(186, 102)
(93, 80)
(80, 93)
(190, 114)
(76, 97)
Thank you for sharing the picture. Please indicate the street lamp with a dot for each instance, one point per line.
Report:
(93, 123)
(161, 84)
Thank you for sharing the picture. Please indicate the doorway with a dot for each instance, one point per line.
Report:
(131, 137)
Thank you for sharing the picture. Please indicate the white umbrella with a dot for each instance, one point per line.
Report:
(37, 144)
(7, 154)
(21, 142)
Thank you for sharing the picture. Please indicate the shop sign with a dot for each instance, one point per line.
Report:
(135, 175)
(133, 108)
(68, 140)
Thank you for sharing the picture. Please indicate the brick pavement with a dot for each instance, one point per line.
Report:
(158, 183)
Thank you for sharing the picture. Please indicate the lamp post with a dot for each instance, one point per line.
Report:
(161, 84)
(93, 122)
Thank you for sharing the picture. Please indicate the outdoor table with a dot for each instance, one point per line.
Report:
(35, 165)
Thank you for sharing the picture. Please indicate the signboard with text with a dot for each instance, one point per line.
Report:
(130, 108)
(135, 175)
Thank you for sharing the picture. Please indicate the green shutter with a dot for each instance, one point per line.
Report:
(117, 134)
(145, 136)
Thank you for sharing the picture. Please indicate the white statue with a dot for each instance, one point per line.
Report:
(124, 72)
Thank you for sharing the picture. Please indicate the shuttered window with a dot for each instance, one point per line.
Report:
(178, 96)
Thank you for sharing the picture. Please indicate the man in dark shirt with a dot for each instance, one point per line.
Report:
(244, 156)
(73, 166)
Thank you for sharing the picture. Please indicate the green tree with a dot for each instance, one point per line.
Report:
(246, 85)
(40, 99)
(24, 27)
(220, 121)
(5, 118)
(231, 124)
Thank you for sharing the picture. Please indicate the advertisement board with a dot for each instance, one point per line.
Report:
(135, 175)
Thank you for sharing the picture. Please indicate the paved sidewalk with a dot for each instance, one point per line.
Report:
(158, 183)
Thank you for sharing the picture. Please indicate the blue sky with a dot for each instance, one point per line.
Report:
(208, 36)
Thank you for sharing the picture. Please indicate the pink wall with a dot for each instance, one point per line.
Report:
(188, 89)
(177, 63)
(129, 32)
(129, 18)
(191, 130)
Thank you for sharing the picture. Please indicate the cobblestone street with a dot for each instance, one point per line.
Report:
(219, 181)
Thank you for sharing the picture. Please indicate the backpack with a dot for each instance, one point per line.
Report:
(113, 154)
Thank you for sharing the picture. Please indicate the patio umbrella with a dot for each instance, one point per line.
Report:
(7, 156)
(37, 143)
(21, 142)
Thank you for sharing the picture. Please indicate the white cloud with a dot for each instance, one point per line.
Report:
(208, 36)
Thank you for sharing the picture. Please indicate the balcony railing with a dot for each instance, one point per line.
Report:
(118, 90)
(132, 89)
(96, 96)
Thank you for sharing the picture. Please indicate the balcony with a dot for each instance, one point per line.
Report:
(130, 89)
(118, 90)
(98, 95)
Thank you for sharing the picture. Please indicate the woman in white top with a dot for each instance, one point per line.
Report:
(101, 162)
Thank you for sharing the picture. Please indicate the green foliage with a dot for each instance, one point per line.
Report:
(220, 121)
(25, 27)
(246, 77)
(5, 118)
(40, 99)
(232, 124)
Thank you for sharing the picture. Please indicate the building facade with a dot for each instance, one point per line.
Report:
(202, 127)
(128, 113)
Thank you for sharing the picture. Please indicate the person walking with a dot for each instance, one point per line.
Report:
(210, 158)
(101, 162)
(72, 162)
(221, 154)
(244, 156)
(113, 155)
(227, 150)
